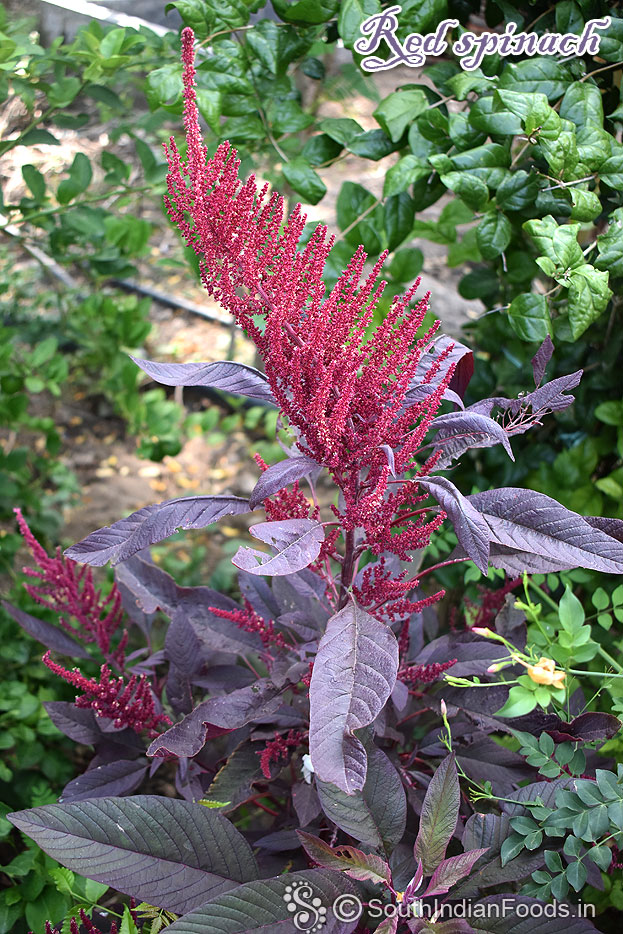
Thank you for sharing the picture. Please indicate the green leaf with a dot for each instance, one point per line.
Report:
(398, 216)
(374, 144)
(112, 43)
(404, 173)
(542, 75)
(600, 599)
(588, 297)
(493, 234)
(306, 12)
(321, 149)
(520, 701)
(601, 855)
(406, 264)
(39, 137)
(469, 187)
(194, 13)
(487, 116)
(35, 181)
(517, 191)
(351, 16)
(529, 317)
(49, 905)
(611, 413)
(570, 611)
(353, 201)
(559, 244)
(164, 85)
(287, 116)
(341, 129)
(300, 175)
(586, 205)
(399, 109)
(127, 922)
(80, 175)
(577, 875)
(209, 104)
(63, 879)
(582, 104)
(440, 811)
(610, 245)
(63, 92)
(512, 847)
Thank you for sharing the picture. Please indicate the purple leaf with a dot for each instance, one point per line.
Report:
(354, 674)
(153, 589)
(471, 529)
(612, 527)
(424, 391)
(235, 378)
(296, 541)
(81, 725)
(163, 851)
(222, 714)
(281, 475)
(365, 867)
(452, 870)
(113, 778)
(306, 803)
(257, 591)
(152, 524)
(233, 782)
(541, 359)
(548, 398)
(530, 522)
(460, 355)
(587, 728)
(182, 649)
(515, 562)
(440, 812)
(457, 432)
(49, 635)
(294, 901)
(375, 816)
(389, 454)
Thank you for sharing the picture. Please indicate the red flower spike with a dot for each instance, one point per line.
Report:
(67, 588)
(250, 621)
(127, 705)
(425, 674)
(277, 749)
(343, 392)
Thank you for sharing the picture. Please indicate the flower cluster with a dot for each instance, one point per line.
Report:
(425, 674)
(345, 394)
(250, 621)
(127, 705)
(277, 749)
(491, 603)
(386, 595)
(68, 589)
(74, 926)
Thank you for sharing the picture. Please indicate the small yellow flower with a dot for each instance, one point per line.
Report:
(545, 672)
